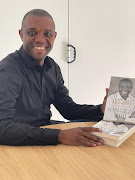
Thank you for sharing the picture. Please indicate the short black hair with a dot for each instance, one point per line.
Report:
(126, 80)
(37, 12)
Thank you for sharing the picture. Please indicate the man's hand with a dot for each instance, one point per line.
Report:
(104, 102)
(80, 136)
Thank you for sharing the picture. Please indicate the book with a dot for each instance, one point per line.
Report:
(119, 118)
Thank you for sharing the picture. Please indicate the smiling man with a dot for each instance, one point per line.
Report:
(38, 35)
(30, 82)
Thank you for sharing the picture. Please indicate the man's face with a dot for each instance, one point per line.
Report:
(125, 88)
(38, 35)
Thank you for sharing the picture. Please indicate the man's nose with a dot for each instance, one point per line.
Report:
(125, 88)
(40, 38)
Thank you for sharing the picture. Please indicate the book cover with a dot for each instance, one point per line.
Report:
(119, 118)
(120, 105)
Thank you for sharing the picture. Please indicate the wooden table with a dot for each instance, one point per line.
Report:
(64, 162)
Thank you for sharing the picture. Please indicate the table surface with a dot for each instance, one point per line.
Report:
(64, 162)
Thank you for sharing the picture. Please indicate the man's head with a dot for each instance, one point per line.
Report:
(38, 34)
(125, 87)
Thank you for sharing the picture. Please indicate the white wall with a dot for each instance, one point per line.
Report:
(103, 32)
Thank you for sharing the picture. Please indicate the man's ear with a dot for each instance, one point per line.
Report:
(55, 34)
(21, 34)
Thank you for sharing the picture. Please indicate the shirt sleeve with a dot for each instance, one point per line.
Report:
(68, 108)
(15, 132)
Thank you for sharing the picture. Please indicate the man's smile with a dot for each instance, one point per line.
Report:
(39, 48)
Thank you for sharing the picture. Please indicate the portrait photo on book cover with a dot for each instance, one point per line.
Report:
(120, 106)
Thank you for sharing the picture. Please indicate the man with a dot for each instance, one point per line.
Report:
(121, 105)
(30, 82)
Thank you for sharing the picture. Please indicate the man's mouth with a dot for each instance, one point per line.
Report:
(39, 48)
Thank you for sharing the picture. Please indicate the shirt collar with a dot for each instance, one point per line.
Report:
(30, 62)
(119, 96)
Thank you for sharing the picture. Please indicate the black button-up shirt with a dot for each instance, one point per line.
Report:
(26, 93)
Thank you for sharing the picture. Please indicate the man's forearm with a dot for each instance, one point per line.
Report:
(15, 133)
(77, 111)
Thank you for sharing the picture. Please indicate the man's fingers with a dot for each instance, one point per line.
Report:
(89, 143)
(91, 137)
(87, 136)
(91, 129)
(104, 102)
(107, 90)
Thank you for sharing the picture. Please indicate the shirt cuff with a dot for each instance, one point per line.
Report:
(51, 136)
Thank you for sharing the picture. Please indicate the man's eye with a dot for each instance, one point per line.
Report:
(48, 34)
(32, 33)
